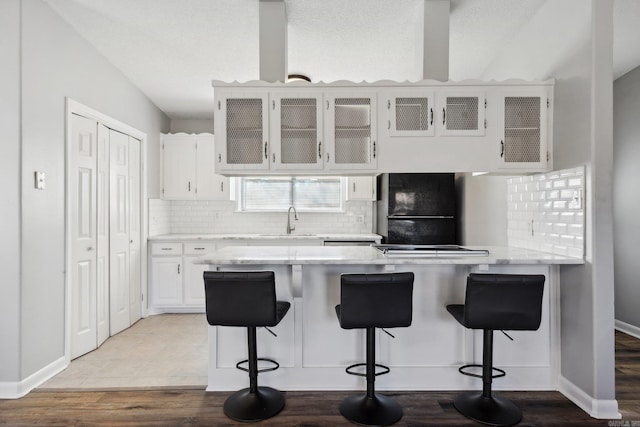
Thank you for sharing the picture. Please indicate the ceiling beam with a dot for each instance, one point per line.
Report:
(435, 55)
(273, 41)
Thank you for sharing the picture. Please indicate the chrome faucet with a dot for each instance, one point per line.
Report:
(290, 227)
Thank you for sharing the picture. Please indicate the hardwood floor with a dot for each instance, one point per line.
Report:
(189, 407)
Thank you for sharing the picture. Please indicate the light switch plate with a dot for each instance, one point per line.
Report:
(39, 180)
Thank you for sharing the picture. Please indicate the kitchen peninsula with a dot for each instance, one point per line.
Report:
(313, 350)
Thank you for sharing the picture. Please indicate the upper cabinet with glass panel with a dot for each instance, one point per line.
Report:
(371, 128)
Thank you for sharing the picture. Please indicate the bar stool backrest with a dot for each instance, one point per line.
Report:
(503, 301)
(376, 300)
(240, 298)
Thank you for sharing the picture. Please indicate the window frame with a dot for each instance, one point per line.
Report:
(242, 209)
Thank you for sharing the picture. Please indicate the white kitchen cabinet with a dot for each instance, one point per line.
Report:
(188, 169)
(461, 112)
(410, 112)
(242, 131)
(176, 282)
(166, 280)
(296, 130)
(351, 130)
(361, 188)
(524, 137)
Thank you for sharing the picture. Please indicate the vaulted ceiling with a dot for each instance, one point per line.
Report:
(173, 49)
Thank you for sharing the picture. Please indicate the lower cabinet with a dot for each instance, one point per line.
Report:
(176, 282)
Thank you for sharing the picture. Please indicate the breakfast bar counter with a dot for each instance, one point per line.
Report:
(313, 350)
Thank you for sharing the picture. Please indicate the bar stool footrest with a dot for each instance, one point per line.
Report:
(463, 371)
(349, 370)
(260, 359)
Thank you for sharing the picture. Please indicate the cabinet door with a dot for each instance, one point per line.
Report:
(522, 124)
(411, 113)
(361, 188)
(350, 130)
(242, 129)
(296, 130)
(209, 185)
(461, 113)
(178, 167)
(194, 282)
(166, 281)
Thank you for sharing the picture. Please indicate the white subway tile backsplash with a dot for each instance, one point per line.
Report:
(543, 212)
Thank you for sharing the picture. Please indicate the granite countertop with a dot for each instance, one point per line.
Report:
(235, 255)
(265, 236)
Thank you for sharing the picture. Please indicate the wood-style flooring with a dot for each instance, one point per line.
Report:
(194, 407)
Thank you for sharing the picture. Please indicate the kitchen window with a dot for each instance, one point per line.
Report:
(309, 194)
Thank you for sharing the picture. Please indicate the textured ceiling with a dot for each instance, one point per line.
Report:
(172, 49)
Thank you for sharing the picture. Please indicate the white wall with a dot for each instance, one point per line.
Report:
(57, 63)
(10, 177)
(626, 197)
(571, 41)
(192, 125)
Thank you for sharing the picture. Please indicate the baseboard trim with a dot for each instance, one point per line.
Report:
(628, 329)
(18, 389)
(596, 408)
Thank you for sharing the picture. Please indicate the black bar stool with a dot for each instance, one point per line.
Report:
(247, 299)
(371, 301)
(496, 302)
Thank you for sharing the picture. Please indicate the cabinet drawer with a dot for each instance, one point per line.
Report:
(166, 249)
(198, 248)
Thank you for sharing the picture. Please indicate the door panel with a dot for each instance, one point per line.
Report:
(119, 232)
(82, 198)
(135, 308)
(102, 218)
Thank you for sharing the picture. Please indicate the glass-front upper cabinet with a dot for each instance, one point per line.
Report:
(350, 130)
(461, 113)
(522, 126)
(296, 130)
(410, 113)
(242, 132)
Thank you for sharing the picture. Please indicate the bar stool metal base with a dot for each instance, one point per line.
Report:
(378, 410)
(247, 407)
(493, 411)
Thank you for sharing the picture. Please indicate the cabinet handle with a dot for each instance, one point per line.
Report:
(189, 185)
(327, 157)
(219, 158)
(327, 104)
(431, 120)
(274, 157)
(273, 105)
(90, 248)
(222, 187)
(354, 187)
(266, 156)
(320, 149)
(199, 249)
(444, 115)
(178, 268)
(165, 249)
(388, 104)
(374, 149)
(388, 124)
(218, 105)
(501, 148)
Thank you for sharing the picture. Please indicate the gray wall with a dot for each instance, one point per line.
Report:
(10, 176)
(57, 63)
(575, 53)
(626, 197)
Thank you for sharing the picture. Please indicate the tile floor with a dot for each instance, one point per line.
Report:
(168, 350)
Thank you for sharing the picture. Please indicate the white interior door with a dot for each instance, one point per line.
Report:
(83, 242)
(135, 291)
(119, 257)
(102, 221)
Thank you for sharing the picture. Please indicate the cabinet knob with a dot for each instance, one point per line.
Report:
(90, 248)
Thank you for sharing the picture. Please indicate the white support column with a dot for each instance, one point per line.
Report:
(436, 40)
(273, 41)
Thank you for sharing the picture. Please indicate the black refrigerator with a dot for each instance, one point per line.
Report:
(417, 208)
